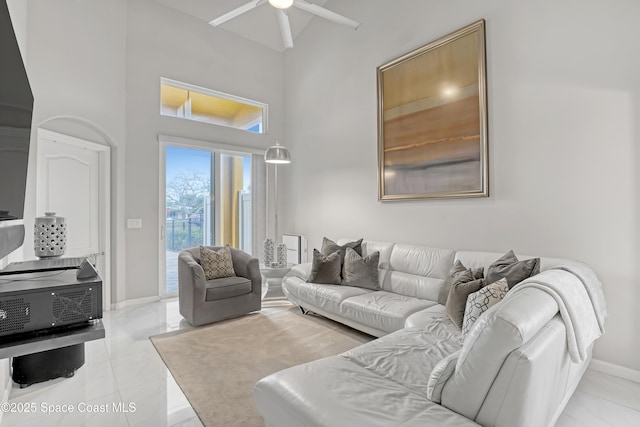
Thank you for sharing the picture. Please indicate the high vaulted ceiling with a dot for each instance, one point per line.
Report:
(259, 25)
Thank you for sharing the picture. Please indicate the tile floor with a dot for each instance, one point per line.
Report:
(122, 368)
(125, 368)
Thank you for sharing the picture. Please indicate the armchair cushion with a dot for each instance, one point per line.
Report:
(227, 287)
(216, 263)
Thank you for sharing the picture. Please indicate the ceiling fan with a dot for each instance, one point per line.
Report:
(283, 18)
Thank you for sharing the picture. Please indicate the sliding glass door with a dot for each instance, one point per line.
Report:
(207, 202)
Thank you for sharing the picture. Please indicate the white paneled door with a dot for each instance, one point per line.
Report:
(73, 182)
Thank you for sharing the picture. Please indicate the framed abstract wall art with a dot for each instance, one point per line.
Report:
(432, 120)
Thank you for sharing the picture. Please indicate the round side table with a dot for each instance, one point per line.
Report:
(272, 279)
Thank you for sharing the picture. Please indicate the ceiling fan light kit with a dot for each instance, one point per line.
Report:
(283, 18)
(281, 4)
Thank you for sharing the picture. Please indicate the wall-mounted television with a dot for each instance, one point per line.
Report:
(16, 110)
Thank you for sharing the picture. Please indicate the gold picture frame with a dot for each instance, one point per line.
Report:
(432, 120)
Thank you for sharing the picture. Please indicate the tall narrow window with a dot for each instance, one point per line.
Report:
(235, 201)
(191, 102)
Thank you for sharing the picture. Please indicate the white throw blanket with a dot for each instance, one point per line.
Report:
(592, 285)
(578, 292)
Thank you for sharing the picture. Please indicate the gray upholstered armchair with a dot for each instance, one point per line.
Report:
(204, 301)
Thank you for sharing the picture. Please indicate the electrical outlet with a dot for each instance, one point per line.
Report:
(134, 223)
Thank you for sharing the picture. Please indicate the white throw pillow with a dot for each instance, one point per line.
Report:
(480, 301)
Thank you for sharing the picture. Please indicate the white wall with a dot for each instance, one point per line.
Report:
(76, 67)
(564, 132)
(18, 12)
(162, 42)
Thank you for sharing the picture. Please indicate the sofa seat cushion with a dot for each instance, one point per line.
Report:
(405, 357)
(382, 310)
(326, 297)
(337, 392)
(227, 287)
(435, 321)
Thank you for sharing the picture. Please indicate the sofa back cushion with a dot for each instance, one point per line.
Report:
(420, 271)
(368, 247)
(417, 271)
(473, 259)
(422, 261)
(411, 285)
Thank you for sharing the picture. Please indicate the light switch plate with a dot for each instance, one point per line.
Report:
(134, 223)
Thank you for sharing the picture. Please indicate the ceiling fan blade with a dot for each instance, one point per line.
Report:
(236, 12)
(325, 13)
(285, 28)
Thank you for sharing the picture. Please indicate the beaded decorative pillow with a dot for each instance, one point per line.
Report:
(216, 263)
(480, 301)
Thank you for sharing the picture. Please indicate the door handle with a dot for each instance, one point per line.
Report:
(163, 232)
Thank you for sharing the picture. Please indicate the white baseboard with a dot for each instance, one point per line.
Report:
(615, 370)
(133, 302)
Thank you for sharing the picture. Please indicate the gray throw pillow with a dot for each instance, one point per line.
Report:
(457, 300)
(510, 268)
(329, 247)
(325, 269)
(359, 271)
(458, 273)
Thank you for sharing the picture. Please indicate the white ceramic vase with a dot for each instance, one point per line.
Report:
(267, 257)
(50, 236)
(282, 255)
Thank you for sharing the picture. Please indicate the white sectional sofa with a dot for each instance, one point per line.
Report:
(515, 368)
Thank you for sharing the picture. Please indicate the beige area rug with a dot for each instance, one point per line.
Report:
(218, 365)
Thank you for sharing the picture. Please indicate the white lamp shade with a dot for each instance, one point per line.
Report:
(281, 4)
(277, 154)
